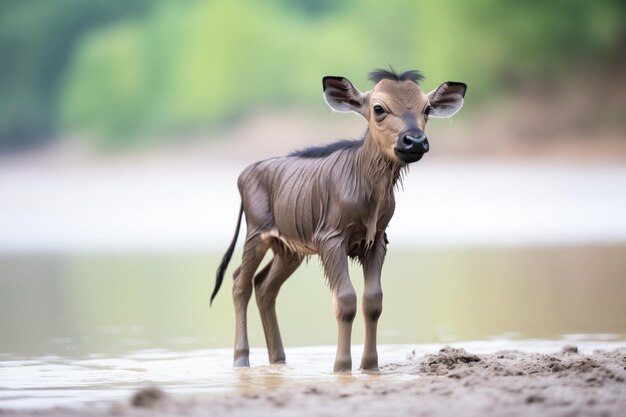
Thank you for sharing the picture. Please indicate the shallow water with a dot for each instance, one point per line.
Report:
(92, 328)
(114, 304)
(45, 382)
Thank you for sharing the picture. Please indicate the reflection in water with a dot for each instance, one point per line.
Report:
(78, 306)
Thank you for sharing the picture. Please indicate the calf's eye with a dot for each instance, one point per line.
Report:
(378, 109)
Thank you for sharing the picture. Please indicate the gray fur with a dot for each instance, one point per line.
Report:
(335, 202)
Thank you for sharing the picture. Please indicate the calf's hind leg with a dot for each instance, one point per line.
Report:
(253, 251)
(267, 283)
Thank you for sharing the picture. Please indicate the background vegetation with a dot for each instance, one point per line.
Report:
(124, 72)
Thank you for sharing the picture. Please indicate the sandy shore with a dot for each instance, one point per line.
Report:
(451, 382)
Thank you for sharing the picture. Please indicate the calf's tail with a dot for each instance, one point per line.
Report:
(219, 277)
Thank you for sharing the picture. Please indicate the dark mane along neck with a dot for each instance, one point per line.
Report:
(326, 150)
(374, 169)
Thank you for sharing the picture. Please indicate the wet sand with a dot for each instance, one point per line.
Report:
(455, 381)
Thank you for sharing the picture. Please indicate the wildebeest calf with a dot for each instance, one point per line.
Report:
(334, 201)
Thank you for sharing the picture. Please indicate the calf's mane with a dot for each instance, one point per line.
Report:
(326, 150)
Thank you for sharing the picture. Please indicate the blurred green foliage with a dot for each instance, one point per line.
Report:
(37, 41)
(122, 71)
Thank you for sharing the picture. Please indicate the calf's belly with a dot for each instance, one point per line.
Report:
(293, 245)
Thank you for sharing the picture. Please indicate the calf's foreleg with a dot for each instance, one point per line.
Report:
(335, 261)
(372, 300)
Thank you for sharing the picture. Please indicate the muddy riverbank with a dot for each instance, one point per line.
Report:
(471, 379)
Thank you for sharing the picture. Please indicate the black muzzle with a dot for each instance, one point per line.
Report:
(411, 146)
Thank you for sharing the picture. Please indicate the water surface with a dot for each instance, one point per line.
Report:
(92, 328)
(96, 381)
(115, 304)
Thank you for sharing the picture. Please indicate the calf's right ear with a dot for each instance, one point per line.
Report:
(341, 95)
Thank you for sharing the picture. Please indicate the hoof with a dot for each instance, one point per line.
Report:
(242, 362)
(342, 366)
(370, 371)
(369, 362)
(278, 359)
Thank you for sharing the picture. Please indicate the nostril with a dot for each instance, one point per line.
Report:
(410, 141)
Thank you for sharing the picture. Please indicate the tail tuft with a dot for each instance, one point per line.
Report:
(221, 270)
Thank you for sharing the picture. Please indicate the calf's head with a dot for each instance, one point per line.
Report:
(396, 109)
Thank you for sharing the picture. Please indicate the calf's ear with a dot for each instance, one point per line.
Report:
(446, 99)
(341, 95)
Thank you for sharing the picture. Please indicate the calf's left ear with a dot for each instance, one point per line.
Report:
(447, 99)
